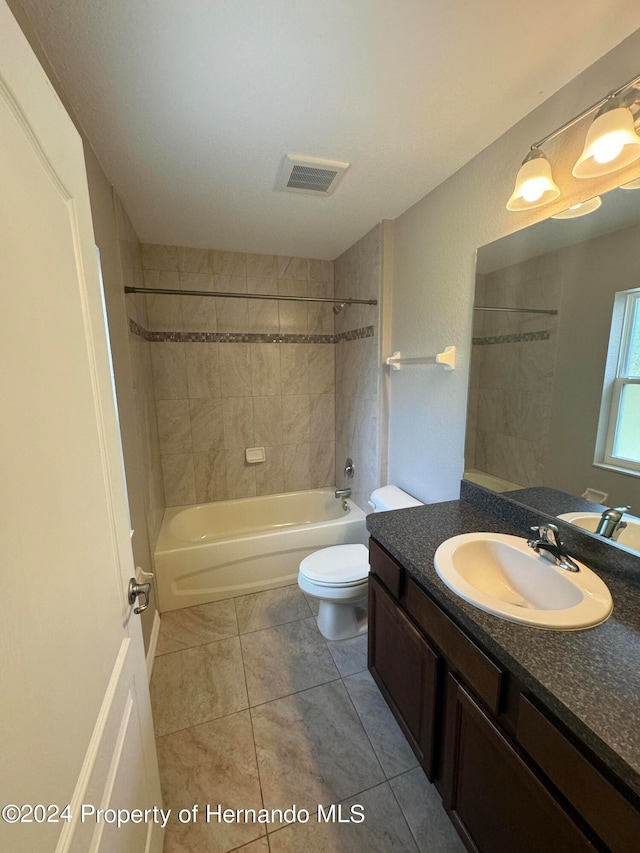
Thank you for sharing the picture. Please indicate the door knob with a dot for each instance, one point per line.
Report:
(136, 589)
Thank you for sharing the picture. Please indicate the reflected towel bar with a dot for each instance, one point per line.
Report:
(447, 358)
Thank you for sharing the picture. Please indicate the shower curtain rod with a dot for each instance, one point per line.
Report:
(520, 310)
(167, 291)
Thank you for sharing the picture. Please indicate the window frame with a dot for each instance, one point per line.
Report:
(627, 303)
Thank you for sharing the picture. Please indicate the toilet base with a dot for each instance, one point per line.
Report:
(337, 621)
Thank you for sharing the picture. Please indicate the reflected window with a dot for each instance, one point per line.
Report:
(621, 399)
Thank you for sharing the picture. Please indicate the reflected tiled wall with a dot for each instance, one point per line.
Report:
(512, 373)
(214, 399)
(358, 274)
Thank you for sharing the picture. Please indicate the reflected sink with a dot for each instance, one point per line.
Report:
(628, 536)
(500, 574)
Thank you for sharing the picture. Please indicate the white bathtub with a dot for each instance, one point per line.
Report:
(490, 481)
(218, 550)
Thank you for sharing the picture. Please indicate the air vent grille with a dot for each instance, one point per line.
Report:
(310, 174)
(305, 178)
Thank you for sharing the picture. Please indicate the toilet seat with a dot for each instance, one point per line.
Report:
(338, 566)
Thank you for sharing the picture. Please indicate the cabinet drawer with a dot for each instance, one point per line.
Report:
(385, 567)
(603, 807)
(463, 656)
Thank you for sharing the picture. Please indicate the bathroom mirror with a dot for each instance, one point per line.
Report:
(538, 369)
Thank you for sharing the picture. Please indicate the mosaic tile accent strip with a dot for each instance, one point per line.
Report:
(245, 338)
(512, 339)
(354, 334)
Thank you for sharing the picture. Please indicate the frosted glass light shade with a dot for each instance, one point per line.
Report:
(632, 185)
(581, 209)
(534, 183)
(611, 144)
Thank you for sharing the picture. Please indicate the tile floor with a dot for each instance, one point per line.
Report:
(254, 709)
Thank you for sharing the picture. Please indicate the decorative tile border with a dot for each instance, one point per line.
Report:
(245, 338)
(512, 339)
(354, 334)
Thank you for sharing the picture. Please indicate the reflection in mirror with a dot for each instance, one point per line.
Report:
(546, 374)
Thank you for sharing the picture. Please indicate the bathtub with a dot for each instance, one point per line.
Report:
(212, 551)
(489, 481)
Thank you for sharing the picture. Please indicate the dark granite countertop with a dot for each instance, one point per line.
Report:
(590, 679)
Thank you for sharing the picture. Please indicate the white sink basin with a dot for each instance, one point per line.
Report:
(629, 536)
(502, 575)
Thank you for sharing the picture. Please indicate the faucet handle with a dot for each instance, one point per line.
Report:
(545, 530)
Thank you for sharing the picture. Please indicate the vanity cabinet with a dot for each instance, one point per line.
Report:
(405, 668)
(511, 779)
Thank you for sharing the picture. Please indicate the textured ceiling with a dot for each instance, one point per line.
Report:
(192, 105)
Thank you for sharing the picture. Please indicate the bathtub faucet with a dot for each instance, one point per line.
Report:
(344, 494)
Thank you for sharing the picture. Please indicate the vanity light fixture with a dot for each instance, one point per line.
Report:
(580, 209)
(534, 183)
(611, 144)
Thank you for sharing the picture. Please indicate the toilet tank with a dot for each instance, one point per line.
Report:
(391, 497)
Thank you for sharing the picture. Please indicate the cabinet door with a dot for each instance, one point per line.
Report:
(494, 799)
(405, 668)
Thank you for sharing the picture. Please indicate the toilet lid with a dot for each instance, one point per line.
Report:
(338, 565)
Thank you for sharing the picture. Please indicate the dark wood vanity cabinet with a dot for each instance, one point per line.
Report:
(511, 780)
(405, 668)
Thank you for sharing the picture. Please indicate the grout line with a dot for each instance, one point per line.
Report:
(402, 812)
(364, 728)
(295, 693)
(203, 723)
(197, 646)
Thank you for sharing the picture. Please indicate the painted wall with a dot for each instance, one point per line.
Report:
(434, 273)
(235, 373)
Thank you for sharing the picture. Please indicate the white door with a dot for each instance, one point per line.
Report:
(75, 719)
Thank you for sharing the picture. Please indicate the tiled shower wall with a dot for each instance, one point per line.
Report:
(234, 373)
(140, 353)
(512, 373)
(358, 274)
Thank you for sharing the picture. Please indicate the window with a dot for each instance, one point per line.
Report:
(620, 411)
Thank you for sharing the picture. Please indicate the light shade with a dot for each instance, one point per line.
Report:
(534, 183)
(611, 144)
(632, 185)
(579, 209)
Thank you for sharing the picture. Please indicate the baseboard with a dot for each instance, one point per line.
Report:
(153, 644)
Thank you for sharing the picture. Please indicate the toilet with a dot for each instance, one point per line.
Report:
(338, 577)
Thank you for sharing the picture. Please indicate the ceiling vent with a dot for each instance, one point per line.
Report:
(300, 174)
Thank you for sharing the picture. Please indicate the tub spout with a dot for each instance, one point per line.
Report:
(342, 493)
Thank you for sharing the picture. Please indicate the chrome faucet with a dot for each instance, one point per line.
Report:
(611, 524)
(344, 494)
(552, 549)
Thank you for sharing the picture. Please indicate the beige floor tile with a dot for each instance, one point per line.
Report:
(384, 829)
(195, 626)
(422, 808)
(390, 745)
(195, 685)
(272, 607)
(285, 659)
(212, 764)
(312, 748)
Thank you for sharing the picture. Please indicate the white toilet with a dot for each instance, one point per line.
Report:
(339, 576)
